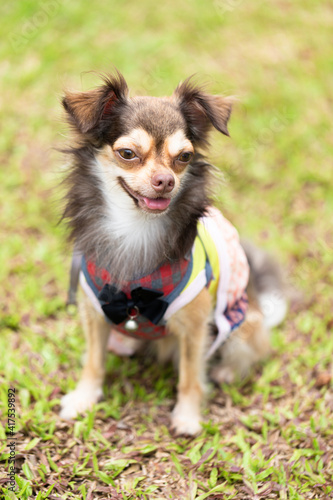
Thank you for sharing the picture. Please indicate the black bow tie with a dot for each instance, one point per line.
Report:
(117, 306)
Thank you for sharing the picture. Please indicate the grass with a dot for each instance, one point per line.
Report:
(268, 437)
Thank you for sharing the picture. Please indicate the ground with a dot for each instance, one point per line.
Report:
(270, 436)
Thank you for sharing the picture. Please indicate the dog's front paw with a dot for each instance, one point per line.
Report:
(83, 398)
(184, 421)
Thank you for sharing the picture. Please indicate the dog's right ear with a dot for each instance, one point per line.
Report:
(86, 110)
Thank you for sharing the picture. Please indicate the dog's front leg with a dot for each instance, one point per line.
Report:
(89, 389)
(190, 326)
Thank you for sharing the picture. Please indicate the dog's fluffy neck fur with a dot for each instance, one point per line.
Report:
(105, 224)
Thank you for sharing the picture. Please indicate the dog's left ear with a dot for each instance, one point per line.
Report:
(86, 110)
(202, 110)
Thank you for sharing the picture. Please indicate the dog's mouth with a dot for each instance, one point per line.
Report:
(153, 205)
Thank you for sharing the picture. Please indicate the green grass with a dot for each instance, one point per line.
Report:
(272, 435)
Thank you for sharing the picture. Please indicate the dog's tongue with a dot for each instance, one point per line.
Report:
(157, 203)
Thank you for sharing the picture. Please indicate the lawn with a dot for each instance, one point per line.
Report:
(270, 436)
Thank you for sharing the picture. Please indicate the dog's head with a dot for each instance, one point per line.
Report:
(145, 145)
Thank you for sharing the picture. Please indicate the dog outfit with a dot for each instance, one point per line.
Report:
(216, 261)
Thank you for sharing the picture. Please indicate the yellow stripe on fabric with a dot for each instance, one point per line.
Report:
(204, 246)
(213, 258)
(199, 261)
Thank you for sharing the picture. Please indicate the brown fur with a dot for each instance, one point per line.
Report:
(248, 344)
(99, 117)
(202, 110)
(85, 207)
(104, 120)
(90, 112)
(190, 326)
(97, 332)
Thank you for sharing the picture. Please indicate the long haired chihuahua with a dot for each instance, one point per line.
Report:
(157, 261)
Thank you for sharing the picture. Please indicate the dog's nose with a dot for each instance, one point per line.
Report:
(163, 183)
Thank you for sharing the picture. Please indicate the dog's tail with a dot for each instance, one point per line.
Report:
(267, 284)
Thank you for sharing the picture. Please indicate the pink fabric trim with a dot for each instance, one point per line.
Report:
(239, 268)
(211, 223)
(223, 327)
(234, 273)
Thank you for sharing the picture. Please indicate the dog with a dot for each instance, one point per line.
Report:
(158, 262)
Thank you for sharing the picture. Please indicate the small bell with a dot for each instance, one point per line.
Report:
(131, 325)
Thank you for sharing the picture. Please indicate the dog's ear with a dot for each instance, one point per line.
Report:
(202, 110)
(87, 109)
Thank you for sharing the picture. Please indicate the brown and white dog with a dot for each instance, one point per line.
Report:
(137, 188)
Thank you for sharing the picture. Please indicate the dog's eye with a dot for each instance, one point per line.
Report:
(185, 157)
(127, 154)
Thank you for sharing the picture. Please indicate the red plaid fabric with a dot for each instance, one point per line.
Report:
(171, 279)
(164, 279)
